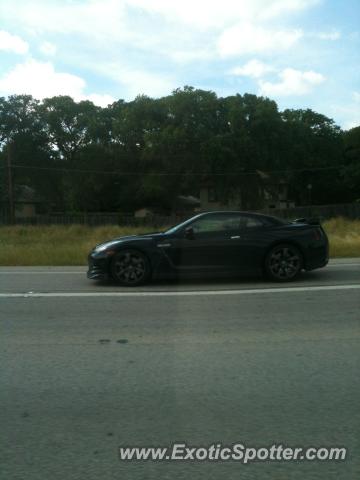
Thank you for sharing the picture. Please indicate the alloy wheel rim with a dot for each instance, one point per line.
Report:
(130, 267)
(284, 263)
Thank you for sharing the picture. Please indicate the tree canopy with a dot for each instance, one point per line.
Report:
(146, 152)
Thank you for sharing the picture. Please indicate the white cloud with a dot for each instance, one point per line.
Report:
(48, 49)
(184, 56)
(100, 100)
(246, 39)
(253, 68)
(292, 82)
(90, 17)
(182, 30)
(132, 82)
(142, 82)
(41, 80)
(348, 115)
(215, 13)
(333, 35)
(105, 16)
(281, 7)
(12, 43)
(349, 124)
(200, 13)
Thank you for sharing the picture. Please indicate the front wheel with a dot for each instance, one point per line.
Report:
(130, 268)
(283, 263)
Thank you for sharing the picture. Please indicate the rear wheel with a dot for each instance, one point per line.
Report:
(130, 268)
(283, 263)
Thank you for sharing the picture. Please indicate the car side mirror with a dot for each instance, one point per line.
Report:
(189, 233)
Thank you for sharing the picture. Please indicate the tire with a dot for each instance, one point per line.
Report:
(283, 263)
(130, 268)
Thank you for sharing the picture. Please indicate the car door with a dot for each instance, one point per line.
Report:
(213, 246)
(251, 242)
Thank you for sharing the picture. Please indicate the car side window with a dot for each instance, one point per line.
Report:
(213, 223)
(248, 222)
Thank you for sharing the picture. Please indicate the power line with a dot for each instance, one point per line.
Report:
(174, 174)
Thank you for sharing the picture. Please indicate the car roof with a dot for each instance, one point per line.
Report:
(239, 212)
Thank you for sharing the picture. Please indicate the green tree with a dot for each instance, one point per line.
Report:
(315, 153)
(24, 144)
(351, 173)
(71, 127)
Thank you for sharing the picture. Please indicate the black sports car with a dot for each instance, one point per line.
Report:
(215, 243)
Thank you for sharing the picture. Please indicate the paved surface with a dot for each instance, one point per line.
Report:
(200, 362)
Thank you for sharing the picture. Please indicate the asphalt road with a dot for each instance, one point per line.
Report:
(87, 367)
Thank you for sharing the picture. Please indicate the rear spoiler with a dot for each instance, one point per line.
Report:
(309, 221)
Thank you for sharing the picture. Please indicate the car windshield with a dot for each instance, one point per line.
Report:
(180, 226)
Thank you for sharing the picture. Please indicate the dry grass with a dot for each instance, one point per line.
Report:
(344, 237)
(69, 245)
(55, 245)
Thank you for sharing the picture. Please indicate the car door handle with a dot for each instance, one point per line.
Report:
(235, 237)
(164, 245)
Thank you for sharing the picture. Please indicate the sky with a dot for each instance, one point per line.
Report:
(300, 53)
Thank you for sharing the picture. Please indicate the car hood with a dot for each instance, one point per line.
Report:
(129, 238)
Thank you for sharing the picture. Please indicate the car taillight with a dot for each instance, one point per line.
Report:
(318, 234)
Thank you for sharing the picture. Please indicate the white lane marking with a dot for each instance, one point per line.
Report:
(82, 272)
(54, 272)
(184, 293)
(343, 265)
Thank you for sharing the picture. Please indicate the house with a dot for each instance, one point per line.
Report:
(185, 205)
(144, 213)
(26, 202)
(211, 199)
(261, 191)
(182, 205)
(274, 191)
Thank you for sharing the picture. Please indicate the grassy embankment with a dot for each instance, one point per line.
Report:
(62, 245)
(344, 237)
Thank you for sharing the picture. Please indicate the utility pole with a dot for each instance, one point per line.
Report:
(309, 187)
(10, 185)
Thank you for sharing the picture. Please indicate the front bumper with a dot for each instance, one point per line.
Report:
(98, 267)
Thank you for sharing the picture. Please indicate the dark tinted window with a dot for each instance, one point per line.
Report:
(252, 222)
(217, 223)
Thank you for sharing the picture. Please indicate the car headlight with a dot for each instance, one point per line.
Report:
(103, 247)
